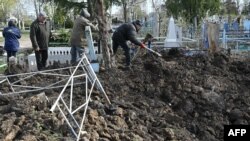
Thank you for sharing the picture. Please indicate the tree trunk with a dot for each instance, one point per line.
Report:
(213, 37)
(125, 12)
(23, 25)
(90, 7)
(104, 34)
(36, 8)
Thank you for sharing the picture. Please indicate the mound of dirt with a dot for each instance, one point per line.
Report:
(161, 98)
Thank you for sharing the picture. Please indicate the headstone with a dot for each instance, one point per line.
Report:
(246, 24)
(92, 56)
(235, 25)
(204, 34)
(226, 26)
(171, 40)
(155, 25)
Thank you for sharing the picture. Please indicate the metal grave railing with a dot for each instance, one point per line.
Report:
(67, 108)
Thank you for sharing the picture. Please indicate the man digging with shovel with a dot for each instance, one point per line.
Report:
(126, 32)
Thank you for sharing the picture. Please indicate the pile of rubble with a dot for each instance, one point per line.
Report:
(173, 97)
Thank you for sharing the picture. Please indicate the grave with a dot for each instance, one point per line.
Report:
(173, 37)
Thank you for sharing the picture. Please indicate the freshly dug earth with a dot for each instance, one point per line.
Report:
(174, 97)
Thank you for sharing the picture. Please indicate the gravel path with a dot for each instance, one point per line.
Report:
(24, 42)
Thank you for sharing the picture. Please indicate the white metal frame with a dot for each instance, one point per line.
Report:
(64, 105)
(19, 89)
(90, 77)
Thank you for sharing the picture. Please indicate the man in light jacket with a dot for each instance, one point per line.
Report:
(78, 39)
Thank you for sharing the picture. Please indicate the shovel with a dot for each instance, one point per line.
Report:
(158, 54)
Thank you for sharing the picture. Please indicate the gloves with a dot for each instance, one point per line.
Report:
(143, 45)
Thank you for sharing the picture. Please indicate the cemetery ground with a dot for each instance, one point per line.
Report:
(25, 41)
(173, 97)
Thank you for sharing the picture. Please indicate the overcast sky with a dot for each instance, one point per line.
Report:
(29, 6)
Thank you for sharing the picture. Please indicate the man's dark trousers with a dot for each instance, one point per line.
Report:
(125, 48)
(41, 59)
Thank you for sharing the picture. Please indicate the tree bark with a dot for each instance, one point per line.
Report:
(125, 11)
(90, 4)
(104, 33)
(213, 37)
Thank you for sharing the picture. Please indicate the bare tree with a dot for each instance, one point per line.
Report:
(19, 13)
(125, 7)
(157, 8)
(104, 33)
(39, 5)
(5, 8)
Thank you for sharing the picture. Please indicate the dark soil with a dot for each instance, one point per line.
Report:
(173, 97)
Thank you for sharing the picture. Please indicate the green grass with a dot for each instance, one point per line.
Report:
(3, 65)
(2, 69)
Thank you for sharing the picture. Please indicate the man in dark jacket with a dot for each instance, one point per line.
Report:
(39, 36)
(11, 35)
(127, 32)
